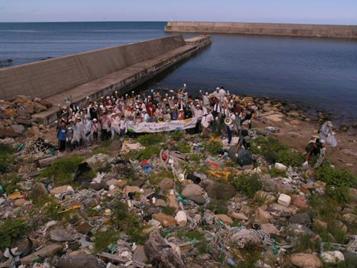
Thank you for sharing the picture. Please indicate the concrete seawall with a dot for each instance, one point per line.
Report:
(96, 73)
(268, 29)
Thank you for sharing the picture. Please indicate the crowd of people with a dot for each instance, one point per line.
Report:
(220, 112)
(108, 117)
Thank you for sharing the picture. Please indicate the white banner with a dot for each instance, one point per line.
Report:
(145, 127)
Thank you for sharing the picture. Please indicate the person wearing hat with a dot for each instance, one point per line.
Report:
(206, 121)
(96, 129)
(229, 126)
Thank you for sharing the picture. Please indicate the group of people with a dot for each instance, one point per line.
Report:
(219, 111)
(109, 116)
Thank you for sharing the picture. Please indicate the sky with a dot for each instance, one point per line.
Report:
(290, 11)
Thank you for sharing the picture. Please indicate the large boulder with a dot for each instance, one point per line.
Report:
(99, 161)
(219, 190)
(60, 234)
(246, 238)
(305, 260)
(161, 253)
(195, 193)
(332, 257)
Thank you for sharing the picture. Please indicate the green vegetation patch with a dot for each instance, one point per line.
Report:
(169, 211)
(335, 176)
(10, 231)
(62, 171)
(103, 239)
(9, 182)
(147, 152)
(338, 182)
(177, 135)
(247, 184)
(127, 222)
(306, 243)
(156, 177)
(151, 139)
(273, 151)
(218, 206)
(6, 158)
(201, 243)
(276, 173)
(214, 146)
(326, 209)
(183, 147)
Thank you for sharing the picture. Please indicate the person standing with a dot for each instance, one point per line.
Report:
(61, 136)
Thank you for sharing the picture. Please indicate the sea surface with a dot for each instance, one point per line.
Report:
(320, 74)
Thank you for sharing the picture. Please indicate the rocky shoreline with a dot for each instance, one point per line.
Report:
(175, 199)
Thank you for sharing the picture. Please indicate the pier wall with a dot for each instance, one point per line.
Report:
(49, 77)
(96, 73)
(268, 29)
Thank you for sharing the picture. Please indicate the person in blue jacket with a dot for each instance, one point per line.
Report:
(61, 136)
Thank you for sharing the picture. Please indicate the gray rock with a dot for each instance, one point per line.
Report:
(80, 261)
(218, 190)
(301, 218)
(59, 234)
(19, 129)
(166, 184)
(140, 255)
(46, 251)
(246, 238)
(39, 190)
(195, 193)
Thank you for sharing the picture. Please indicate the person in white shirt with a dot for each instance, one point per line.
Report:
(222, 94)
(86, 134)
(205, 99)
(77, 133)
(115, 125)
(206, 121)
(123, 125)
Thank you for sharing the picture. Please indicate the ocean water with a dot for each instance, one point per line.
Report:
(317, 73)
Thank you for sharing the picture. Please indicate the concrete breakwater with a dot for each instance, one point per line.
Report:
(269, 29)
(95, 73)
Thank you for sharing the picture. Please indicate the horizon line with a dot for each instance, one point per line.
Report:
(165, 21)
